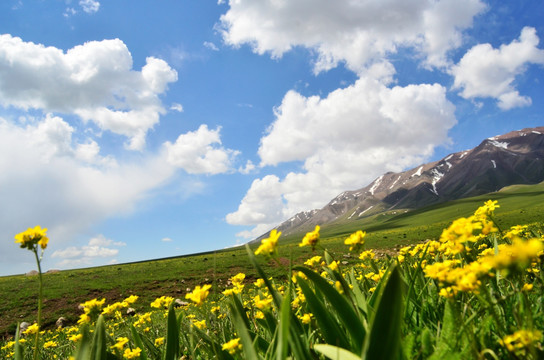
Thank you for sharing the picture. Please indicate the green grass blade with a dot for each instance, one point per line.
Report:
(383, 341)
(138, 341)
(328, 326)
(283, 334)
(275, 295)
(346, 313)
(172, 335)
(18, 348)
(98, 347)
(335, 352)
(242, 330)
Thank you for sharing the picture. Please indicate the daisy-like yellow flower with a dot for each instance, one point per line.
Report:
(199, 294)
(32, 237)
(269, 246)
(159, 341)
(32, 329)
(355, 240)
(50, 344)
(75, 337)
(132, 354)
(262, 304)
(313, 261)
(163, 301)
(120, 344)
(306, 318)
(232, 346)
(311, 238)
(199, 324)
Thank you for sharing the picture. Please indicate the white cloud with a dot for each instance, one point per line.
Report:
(176, 107)
(210, 46)
(199, 152)
(166, 239)
(488, 72)
(97, 247)
(94, 81)
(345, 141)
(89, 6)
(48, 179)
(357, 33)
(248, 168)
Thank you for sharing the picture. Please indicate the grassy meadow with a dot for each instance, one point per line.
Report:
(474, 291)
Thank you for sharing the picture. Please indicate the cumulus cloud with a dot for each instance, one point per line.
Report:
(48, 178)
(357, 33)
(200, 152)
(97, 247)
(344, 140)
(94, 81)
(176, 107)
(486, 72)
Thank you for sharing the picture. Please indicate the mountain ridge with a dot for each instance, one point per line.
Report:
(513, 158)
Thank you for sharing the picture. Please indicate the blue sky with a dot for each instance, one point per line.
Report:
(145, 129)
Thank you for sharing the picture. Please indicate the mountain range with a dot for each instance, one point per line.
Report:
(513, 158)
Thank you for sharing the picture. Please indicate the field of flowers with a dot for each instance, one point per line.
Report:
(474, 293)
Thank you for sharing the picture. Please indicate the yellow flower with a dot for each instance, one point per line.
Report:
(238, 279)
(520, 340)
(232, 346)
(199, 324)
(369, 254)
(32, 329)
(333, 265)
(32, 237)
(306, 318)
(311, 238)
(132, 354)
(199, 294)
(527, 287)
(262, 304)
(163, 301)
(314, 261)
(355, 240)
(49, 344)
(259, 283)
(76, 337)
(131, 299)
(121, 342)
(159, 341)
(269, 245)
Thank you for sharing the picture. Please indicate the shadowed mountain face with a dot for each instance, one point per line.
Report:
(513, 158)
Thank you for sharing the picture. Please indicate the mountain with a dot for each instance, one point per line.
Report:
(513, 158)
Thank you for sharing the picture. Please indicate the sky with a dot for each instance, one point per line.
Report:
(136, 130)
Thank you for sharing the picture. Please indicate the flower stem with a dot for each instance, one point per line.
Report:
(36, 342)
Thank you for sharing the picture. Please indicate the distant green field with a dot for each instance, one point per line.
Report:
(65, 290)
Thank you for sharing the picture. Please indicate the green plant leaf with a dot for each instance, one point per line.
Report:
(172, 335)
(98, 347)
(242, 330)
(335, 352)
(138, 341)
(383, 341)
(18, 348)
(283, 333)
(341, 306)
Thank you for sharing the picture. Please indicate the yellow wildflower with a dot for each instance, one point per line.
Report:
(232, 346)
(32, 329)
(259, 283)
(199, 324)
(311, 238)
(262, 304)
(120, 344)
(132, 354)
(199, 294)
(355, 240)
(306, 318)
(269, 245)
(519, 341)
(163, 301)
(159, 341)
(314, 261)
(333, 265)
(75, 337)
(50, 344)
(369, 254)
(32, 237)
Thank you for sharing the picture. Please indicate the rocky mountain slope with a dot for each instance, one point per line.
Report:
(513, 158)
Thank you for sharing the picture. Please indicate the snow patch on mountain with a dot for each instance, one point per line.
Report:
(499, 144)
(494, 164)
(418, 172)
(376, 184)
(437, 175)
(362, 212)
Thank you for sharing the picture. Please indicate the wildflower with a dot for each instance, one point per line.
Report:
(527, 287)
(259, 283)
(369, 254)
(32, 237)
(487, 209)
(520, 340)
(355, 240)
(132, 354)
(314, 261)
(163, 301)
(199, 324)
(232, 346)
(306, 318)
(311, 238)
(93, 308)
(333, 265)
(269, 245)
(120, 344)
(32, 329)
(238, 279)
(159, 341)
(50, 344)
(131, 299)
(75, 337)
(262, 304)
(142, 319)
(199, 294)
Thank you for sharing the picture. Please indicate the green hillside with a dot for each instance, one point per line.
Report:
(64, 290)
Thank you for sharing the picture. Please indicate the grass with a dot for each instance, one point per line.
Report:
(65, 290)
